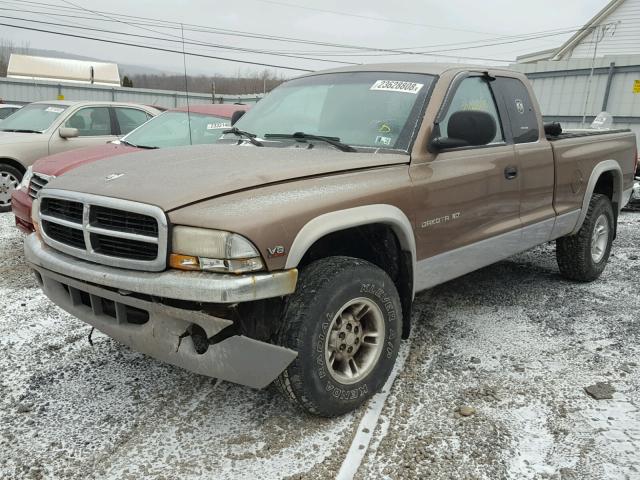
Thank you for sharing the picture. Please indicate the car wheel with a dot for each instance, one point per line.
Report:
(345, 322)
(583, 256)
(10, 178)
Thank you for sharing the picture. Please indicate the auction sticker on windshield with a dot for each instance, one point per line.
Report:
(397, 86)
(54, 110)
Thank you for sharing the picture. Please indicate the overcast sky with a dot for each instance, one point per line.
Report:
(403, 23)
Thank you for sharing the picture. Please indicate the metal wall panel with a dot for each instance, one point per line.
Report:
(561, 88)
(26, 91)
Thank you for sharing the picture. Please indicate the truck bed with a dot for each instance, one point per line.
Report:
(583, 133)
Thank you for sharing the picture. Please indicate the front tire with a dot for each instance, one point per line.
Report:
(345, 322)
(10, 178)
(582, 257)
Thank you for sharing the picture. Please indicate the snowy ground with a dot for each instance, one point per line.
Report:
(514, 341)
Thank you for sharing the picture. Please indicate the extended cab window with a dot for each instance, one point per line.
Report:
(91, 122)
(473, 93)
(522, 115)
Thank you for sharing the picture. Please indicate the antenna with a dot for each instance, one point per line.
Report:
(186, 84)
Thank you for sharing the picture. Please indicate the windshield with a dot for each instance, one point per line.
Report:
(171, 129)
(35, 117)
(366, 109)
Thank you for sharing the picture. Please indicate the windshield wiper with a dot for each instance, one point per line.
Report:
(241, 133)
(20, 130)
(335, 141)
(146, 147)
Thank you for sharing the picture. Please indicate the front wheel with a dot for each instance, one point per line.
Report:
(10, 178)
(345, 322)
(583, 256)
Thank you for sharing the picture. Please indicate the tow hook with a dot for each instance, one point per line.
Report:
(200, 340)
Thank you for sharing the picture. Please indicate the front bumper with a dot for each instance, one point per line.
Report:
(192, 286)
(21, 206)
(156, 329)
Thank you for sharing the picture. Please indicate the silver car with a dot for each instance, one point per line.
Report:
(45, 128)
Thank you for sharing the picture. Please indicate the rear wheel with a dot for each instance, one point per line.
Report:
(10, 178)
(583, 256)
(345, 322)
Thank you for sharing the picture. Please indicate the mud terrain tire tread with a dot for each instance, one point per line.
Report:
(326, 279)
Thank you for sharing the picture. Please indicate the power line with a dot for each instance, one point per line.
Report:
(128, 44)
(222, 47)
(245, 50)
(239, 33)
(367, 17)
(217, 31)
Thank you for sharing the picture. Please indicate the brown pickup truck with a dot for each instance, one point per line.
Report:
(291, 252)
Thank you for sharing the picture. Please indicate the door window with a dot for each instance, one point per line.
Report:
(130, 118)
(473, 93)
(91, 122)
(522, 116)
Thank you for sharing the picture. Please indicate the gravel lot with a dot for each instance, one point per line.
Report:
(514, 342)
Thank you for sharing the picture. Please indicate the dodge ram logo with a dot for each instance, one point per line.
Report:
(113, 176)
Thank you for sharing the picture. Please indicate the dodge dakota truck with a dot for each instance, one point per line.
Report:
(292, 250)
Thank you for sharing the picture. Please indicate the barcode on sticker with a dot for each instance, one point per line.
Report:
(397, 86)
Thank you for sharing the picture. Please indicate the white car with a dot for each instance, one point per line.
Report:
(7, 109)
(44, 128)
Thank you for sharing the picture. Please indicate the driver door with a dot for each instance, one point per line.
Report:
(467, 196)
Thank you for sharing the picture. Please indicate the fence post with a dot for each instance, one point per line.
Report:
(607, 90)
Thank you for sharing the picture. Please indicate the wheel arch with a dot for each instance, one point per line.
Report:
(14, 163)
(606, 177)
(321, 229)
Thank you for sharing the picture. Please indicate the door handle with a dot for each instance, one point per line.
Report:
(510, 173)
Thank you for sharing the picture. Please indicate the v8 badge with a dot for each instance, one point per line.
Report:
(277, 251)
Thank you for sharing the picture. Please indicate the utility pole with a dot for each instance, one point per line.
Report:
(213, 91)
(599, 33)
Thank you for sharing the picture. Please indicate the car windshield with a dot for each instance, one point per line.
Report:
(361, 109)
(171, 129)
(36, 117)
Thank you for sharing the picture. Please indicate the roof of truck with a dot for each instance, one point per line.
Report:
(410, 67)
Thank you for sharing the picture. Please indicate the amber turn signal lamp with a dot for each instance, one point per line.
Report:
(184, 262)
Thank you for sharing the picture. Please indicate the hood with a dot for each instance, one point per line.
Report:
(174, 177)
(10, 138)
(60, 163)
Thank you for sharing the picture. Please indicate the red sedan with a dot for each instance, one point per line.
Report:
(201, 124)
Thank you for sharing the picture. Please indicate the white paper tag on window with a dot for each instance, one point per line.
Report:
(54, 110)
(397, 86)
(215, 126)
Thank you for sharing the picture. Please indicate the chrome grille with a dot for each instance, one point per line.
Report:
(37, 183)
(104, 230)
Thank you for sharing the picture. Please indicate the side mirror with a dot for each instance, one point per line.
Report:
(237, 115)
(66, 132)
(466, 128)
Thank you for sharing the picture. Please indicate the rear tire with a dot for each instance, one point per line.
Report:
(582, 257)
(345, 322)
(10, 178)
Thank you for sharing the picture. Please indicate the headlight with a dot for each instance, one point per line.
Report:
(26, 179)
(213, 251)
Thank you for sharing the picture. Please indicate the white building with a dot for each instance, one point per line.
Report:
(597, 69)
(62, 69)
